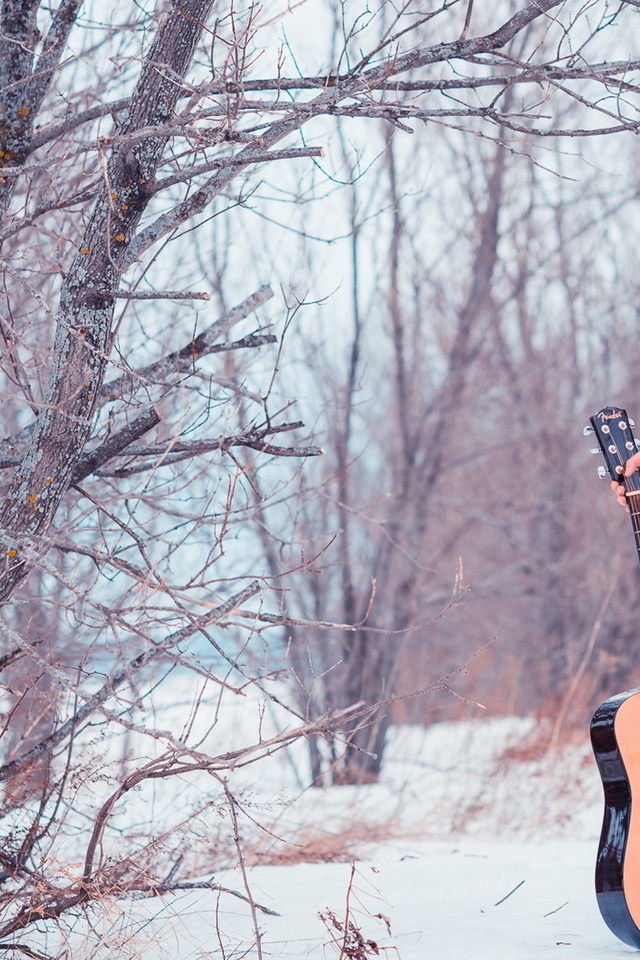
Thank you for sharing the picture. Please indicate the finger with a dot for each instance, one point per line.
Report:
(632, 464)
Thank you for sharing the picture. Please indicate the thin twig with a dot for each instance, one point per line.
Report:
(231, 801)
(506, 897)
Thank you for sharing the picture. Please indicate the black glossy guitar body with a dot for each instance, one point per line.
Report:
(615, 730)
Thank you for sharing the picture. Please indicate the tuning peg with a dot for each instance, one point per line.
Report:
(637, 442)
(632, 423)
(588, 430)
(602, 473)
(595, 450)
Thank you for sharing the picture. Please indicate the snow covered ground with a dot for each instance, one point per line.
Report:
(479, 842)
(441, 901)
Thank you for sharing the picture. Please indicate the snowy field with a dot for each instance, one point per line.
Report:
(479, 842)
(441, 901)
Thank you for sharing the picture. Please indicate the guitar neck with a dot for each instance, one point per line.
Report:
(632, 488)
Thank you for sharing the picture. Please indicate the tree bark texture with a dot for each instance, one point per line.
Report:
(84, 323)
(25, 79)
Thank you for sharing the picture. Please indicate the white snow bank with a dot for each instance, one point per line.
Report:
(442, 901)
(479, 842)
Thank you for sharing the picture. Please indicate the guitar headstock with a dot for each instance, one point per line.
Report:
(612, 427)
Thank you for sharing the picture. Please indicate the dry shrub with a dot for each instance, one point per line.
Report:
(347, 937)
(317, 846)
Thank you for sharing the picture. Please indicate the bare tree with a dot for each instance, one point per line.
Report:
(140, 467)
(417, 381)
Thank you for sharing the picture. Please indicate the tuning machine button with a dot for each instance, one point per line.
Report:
(602, 473)
(588, 430)
(595, 450)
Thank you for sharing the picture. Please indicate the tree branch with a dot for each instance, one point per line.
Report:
(114, 682)
(368, 80)
(115, 445)
(174, 451)
(182, 360)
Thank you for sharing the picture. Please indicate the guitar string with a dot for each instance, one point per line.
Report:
(632, 489)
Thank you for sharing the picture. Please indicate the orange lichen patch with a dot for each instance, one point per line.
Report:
(13, 553)
(124, 207)
(32, 498)
(48, 480)
(85, 250)
(23, 111)
(114, 196)
(120, 237)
